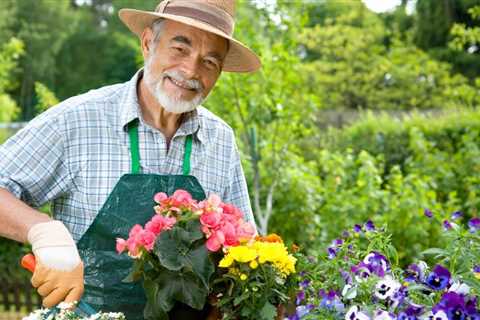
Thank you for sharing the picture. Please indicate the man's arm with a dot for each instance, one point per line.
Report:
(17, 217)
(33, 171)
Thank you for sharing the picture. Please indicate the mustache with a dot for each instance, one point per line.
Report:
(180, 77)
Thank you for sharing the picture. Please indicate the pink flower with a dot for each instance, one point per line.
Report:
(215, 241)
(181, 198)
(211, 219)
(231, 238)
(160, 223)
(121, 245)
(245, 231)
(231, 211)
(148, 240)
(160, 197)
(136, 229)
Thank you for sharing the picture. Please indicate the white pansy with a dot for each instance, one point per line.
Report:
(383, 315)
(386, 288)
(354, 314)
(349, 292)
(460, 288)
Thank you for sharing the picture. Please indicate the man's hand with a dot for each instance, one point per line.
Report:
(58, 274)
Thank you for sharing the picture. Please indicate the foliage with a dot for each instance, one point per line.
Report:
(9, 55)
(396, 167)
(352, 68)
(264, 107)
(43, 26)
(46, 98)
(463, 36)
(359, 277)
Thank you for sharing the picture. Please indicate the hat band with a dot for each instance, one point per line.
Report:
(200, 15)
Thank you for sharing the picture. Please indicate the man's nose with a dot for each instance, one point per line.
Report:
(191, 67)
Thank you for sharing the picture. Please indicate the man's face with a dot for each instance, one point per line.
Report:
(182, 68)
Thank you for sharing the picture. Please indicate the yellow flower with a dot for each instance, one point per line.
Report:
(253, 264)
(243, 277)
(477, 275)
(226, 262)
(242, 253)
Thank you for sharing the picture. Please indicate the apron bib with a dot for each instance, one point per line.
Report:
(129, 203)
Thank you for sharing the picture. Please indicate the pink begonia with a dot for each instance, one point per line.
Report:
(159, 197)
(121, 245)
(223, 224)
(211, 219)
(160, 223)
(245, 231)
(215, 241)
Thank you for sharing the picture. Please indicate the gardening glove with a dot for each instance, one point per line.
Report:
(58, 274)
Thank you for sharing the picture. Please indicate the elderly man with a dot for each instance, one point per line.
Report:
(101, 156)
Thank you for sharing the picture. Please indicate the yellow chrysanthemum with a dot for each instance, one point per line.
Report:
(243, 277)
(225, 262)
(242, 253)
(253, 264)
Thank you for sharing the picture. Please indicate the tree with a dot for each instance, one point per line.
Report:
(267, 109)
(43, 26)
(352, 67)
(9, 55)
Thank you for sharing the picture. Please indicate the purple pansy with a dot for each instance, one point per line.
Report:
(369, 226)
(415, 273)
(331, 301)
(457, 215)
(453, 304)
(300, 297)
(474, 224)
(411, 312)
(378, 262)
(357, 228)
(428, 213)
(447, 225)
(305, 283)
(332, 252)
(439, 278)
(476, 268)
(384, 315)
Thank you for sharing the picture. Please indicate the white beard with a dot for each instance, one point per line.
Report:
(171, 104)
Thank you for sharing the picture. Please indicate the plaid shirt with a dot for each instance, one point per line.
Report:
(74, 153)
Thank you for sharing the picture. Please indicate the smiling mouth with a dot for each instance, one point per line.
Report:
(180, 85)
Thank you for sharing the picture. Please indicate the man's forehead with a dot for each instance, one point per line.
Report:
(176, 31)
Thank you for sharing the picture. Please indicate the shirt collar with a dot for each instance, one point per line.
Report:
(130, 110)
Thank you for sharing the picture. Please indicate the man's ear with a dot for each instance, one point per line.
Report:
(146, 42)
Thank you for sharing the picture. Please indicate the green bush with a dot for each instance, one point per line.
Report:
(389, 171)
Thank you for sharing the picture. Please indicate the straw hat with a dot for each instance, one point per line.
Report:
(215, 16)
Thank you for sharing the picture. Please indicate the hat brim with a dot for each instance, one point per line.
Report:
(238, 59)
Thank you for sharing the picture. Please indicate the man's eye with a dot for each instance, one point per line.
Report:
(211, 64)
(179, 49)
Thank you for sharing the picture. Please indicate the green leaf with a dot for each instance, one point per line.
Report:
(152, 310)
(435, 251)
(179, 286)
(179, 249)
(268, 311)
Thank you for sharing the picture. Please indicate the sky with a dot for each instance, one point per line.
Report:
(381, 5)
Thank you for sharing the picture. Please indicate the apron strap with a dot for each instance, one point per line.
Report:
(135, 153)
(186, 156)
(134, 150)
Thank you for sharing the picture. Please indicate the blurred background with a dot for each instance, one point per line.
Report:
(362, 110)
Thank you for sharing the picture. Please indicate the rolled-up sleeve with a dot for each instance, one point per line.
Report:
(32, 165)
(236, 191)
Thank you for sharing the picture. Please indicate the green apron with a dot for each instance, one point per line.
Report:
(130, 202)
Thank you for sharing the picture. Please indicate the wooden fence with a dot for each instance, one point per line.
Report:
(17, 298)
